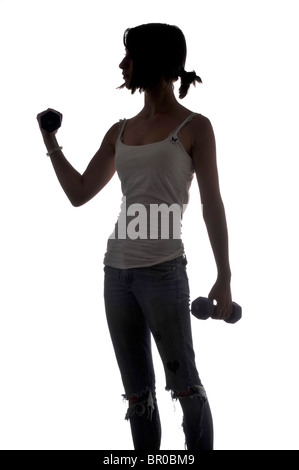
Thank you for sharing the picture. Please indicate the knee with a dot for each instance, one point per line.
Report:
(197, 391)
(141, 405)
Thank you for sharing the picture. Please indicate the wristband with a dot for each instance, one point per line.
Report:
(54, 150)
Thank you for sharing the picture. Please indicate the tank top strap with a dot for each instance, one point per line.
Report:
(121, 127)
(174, 134)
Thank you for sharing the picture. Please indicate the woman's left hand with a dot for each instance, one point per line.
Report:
(221, 292)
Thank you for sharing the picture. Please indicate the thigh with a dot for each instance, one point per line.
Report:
(163, 294)
(130, 334)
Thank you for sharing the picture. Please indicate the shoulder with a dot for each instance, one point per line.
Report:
(112, 133)
(201, 134)
(201, 139)
(116, 127)
(201, 127)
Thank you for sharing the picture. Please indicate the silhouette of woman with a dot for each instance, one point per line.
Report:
(156, 154)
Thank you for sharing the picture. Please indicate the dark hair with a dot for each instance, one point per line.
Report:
(158, 50)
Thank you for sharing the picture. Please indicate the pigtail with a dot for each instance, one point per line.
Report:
(187, 78)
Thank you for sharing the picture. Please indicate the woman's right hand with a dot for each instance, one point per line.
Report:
(39, 116)
(49, 137)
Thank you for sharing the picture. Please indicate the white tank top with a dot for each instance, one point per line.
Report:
(155, 181)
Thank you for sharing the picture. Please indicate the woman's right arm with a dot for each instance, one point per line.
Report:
(81, 188)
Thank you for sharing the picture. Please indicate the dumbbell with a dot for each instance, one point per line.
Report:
(203, 308)
(50, 120)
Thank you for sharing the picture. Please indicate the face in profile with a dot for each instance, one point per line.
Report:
(126, 66)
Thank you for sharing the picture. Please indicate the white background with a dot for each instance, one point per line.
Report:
(60, 385)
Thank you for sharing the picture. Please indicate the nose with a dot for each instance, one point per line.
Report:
(122, 65)
(125, 63)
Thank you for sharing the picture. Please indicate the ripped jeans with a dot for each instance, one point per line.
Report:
(154, 301)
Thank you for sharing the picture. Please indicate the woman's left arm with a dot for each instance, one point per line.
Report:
(205, 164)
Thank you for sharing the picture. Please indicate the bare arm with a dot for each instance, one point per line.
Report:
(81, 188)
(205, 163)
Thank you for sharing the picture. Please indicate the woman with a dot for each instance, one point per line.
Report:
(156, 154)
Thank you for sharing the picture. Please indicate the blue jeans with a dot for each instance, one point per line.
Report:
(154, 301)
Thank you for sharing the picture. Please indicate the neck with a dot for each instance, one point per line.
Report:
(159, 100)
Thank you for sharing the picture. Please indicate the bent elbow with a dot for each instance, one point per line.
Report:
(80, 199)
(77, 203)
